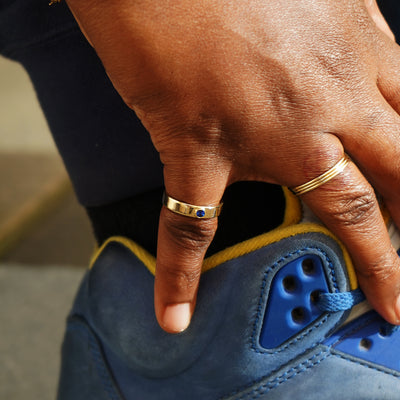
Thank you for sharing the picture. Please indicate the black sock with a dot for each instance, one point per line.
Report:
(250, 209)
(135, 218)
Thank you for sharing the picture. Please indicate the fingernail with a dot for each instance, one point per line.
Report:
(177, 317)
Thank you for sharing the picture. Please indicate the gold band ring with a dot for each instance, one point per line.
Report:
(190, 210)
(324, 178)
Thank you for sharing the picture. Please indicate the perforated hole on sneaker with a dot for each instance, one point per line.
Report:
(314, 296)
(308, 266)
(289, 284)
(291, 303)
(383, 332)
(365, 344)
(299, 315)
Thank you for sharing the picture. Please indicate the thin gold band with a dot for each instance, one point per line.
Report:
(324, 178)
(190, 210)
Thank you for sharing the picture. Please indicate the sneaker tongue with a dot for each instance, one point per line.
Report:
(310, 217)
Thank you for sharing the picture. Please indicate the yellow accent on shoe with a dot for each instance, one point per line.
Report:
(290, 227)
(143, 255)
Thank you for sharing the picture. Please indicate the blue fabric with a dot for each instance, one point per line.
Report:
(219, 356)
(115, 350)
(106, 150)
(84, 374)
(324, 375)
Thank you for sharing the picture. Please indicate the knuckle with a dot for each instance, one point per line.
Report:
(356, 207)
(381, 271)
(182, 280)
(190, 234)
(376, 119)
(326, 154)
(372, 119)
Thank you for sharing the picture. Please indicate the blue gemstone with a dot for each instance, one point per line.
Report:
(200, 213)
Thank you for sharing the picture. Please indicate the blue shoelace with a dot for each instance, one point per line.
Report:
(334, 302)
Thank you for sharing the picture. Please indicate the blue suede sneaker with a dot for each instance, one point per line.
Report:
(279, 316)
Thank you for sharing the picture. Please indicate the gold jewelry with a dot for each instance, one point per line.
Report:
(190, 210)
(324, 178)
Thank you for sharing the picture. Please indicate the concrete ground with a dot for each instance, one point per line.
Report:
(34, 303)
(45, 243)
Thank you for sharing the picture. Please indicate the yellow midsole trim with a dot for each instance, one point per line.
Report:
(289, 227)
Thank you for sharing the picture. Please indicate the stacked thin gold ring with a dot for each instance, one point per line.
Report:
(205, 212)
(190, 210)
(322, 179)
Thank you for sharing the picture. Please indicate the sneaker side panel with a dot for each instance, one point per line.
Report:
(84, 371)
(219, 356)
(325, 375)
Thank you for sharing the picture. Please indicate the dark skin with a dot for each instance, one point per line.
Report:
(275, 91)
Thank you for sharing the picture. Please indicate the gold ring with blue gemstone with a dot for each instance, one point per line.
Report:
(190, 210)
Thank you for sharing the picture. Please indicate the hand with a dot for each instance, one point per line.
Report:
(274, 91)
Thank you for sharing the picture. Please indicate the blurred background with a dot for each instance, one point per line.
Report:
(45, 244)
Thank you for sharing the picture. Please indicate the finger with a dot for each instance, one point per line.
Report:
(81, 27)
(348, 206)
(381, 167)
(383, 171)
(377, 153)
(182, 244)
(378, 18)
(388, 81)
